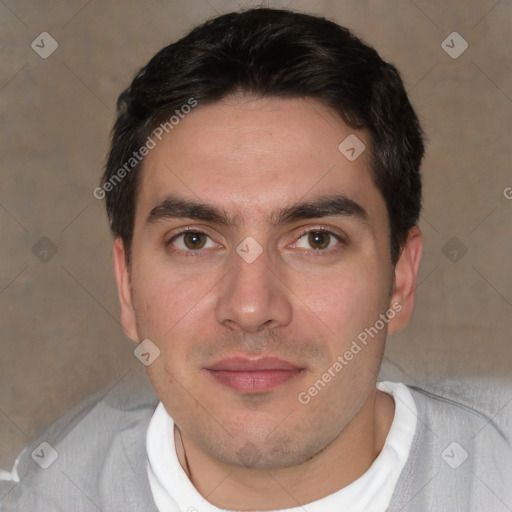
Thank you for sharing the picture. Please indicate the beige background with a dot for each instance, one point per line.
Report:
(60, 335)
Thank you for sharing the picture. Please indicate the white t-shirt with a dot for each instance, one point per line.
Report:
(371, 492)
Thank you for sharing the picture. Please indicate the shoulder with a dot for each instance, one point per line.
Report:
(461, 456)
(93, 456)
(483, 423)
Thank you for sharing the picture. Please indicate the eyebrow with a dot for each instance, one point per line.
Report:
(339, 205)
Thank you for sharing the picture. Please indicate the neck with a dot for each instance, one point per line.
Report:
(344, 460)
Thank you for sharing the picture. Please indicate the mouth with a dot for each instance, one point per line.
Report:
(260, 375)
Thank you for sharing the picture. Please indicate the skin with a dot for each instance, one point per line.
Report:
(296, 301)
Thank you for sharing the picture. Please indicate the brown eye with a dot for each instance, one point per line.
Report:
(194, 240)
(319, 239)
(189, 241)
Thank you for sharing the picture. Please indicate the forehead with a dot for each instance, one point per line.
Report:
(253, 155)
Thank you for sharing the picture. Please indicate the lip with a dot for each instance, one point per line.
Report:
(246, 375)
(246, 364)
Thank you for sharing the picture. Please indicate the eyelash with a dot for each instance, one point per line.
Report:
(189, 253)
(314, 252)
(323, 252)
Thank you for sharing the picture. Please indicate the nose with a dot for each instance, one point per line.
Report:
(252, 297)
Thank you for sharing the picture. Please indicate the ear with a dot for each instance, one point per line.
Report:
(404, 280)
(124, 289)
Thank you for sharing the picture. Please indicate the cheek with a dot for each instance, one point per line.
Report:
(345, 301)
(163, 298)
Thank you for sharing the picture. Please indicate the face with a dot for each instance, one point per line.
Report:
(260, 253)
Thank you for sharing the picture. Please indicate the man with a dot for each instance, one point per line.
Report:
(263, 188)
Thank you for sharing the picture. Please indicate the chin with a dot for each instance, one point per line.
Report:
(266, 452)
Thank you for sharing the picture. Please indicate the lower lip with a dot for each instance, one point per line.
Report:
(253, 381)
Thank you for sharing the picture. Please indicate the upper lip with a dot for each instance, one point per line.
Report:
(244, 364)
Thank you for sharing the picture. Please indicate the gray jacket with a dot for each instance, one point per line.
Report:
(460, 460)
